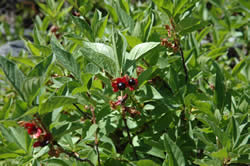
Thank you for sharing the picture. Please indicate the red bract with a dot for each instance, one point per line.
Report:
(36, 144)
(119, 84)
(33, 130)
(43, 140)
(132, 83)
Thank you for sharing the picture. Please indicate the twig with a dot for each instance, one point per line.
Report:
(184, 65)
(74, 155)
(86, 115)
(53, 142)
(96, 136)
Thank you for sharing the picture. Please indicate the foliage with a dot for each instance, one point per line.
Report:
(188, 102)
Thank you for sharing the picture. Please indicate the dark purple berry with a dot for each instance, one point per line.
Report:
(121, 86)
(44, 143)
(131, 82)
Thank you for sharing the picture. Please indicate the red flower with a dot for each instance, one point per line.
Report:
(119, 84)
(132, 83)
(33, 130)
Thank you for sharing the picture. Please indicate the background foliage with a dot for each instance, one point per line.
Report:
(78, 47)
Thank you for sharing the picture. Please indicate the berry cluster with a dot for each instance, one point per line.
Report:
(36, 132)
(173, 43)
(122, 83)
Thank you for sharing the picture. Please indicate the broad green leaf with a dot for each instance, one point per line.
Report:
(139, 51)
(46, 10)
(199, 25)
(6, 109)
(220, 90)
(165, 6)
(14, 75)
(64, 11)
(240, 66)
(178, 6)
(145, 76)
(112, 12)
(66, 59)
(143, 28)
(101, 25)
(37, 49)
(146, 163)
(174, 154)
(38, 37)
(126, 20)
(203, 33)
(31, 87)
(217, 52)
(41, 68)
(83, 26)
(55, 102)
(133, 41)
(119, 47)
(101, 55)
(245, 3)
(221, 154)
(55, 161)
(91, 131)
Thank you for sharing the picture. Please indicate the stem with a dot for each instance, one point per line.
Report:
(128, 132)
(86, 115)
(96, 136)
(126, 126)
(184, 65)
(74, 155)
(70, 154)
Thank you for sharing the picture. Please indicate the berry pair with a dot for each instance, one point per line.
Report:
(123, 82)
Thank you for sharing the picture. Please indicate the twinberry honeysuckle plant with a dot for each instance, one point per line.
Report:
(119, 82)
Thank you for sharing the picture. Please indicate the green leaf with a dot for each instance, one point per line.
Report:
(133, 41)
(174, 154)
(101, 25)
(66, 59)
(83, 26)
(203, 33)
(119, 47)
(31, 87)
(139, 51)
(146, 163)
(101, 55)
(145, 76)
(37, 49)
(220, 90)
(245, 3)
(178, 6)
(14, 75)
(143, 28)
(126, 20)
(195, 27)
(41, 68)
(221, 154)
(240, 66)
(55, 102)
(55, 162)
(91, 131)
(112, 12)
(38, 37)
(217, 52)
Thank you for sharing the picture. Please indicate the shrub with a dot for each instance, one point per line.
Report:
(129, 83)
